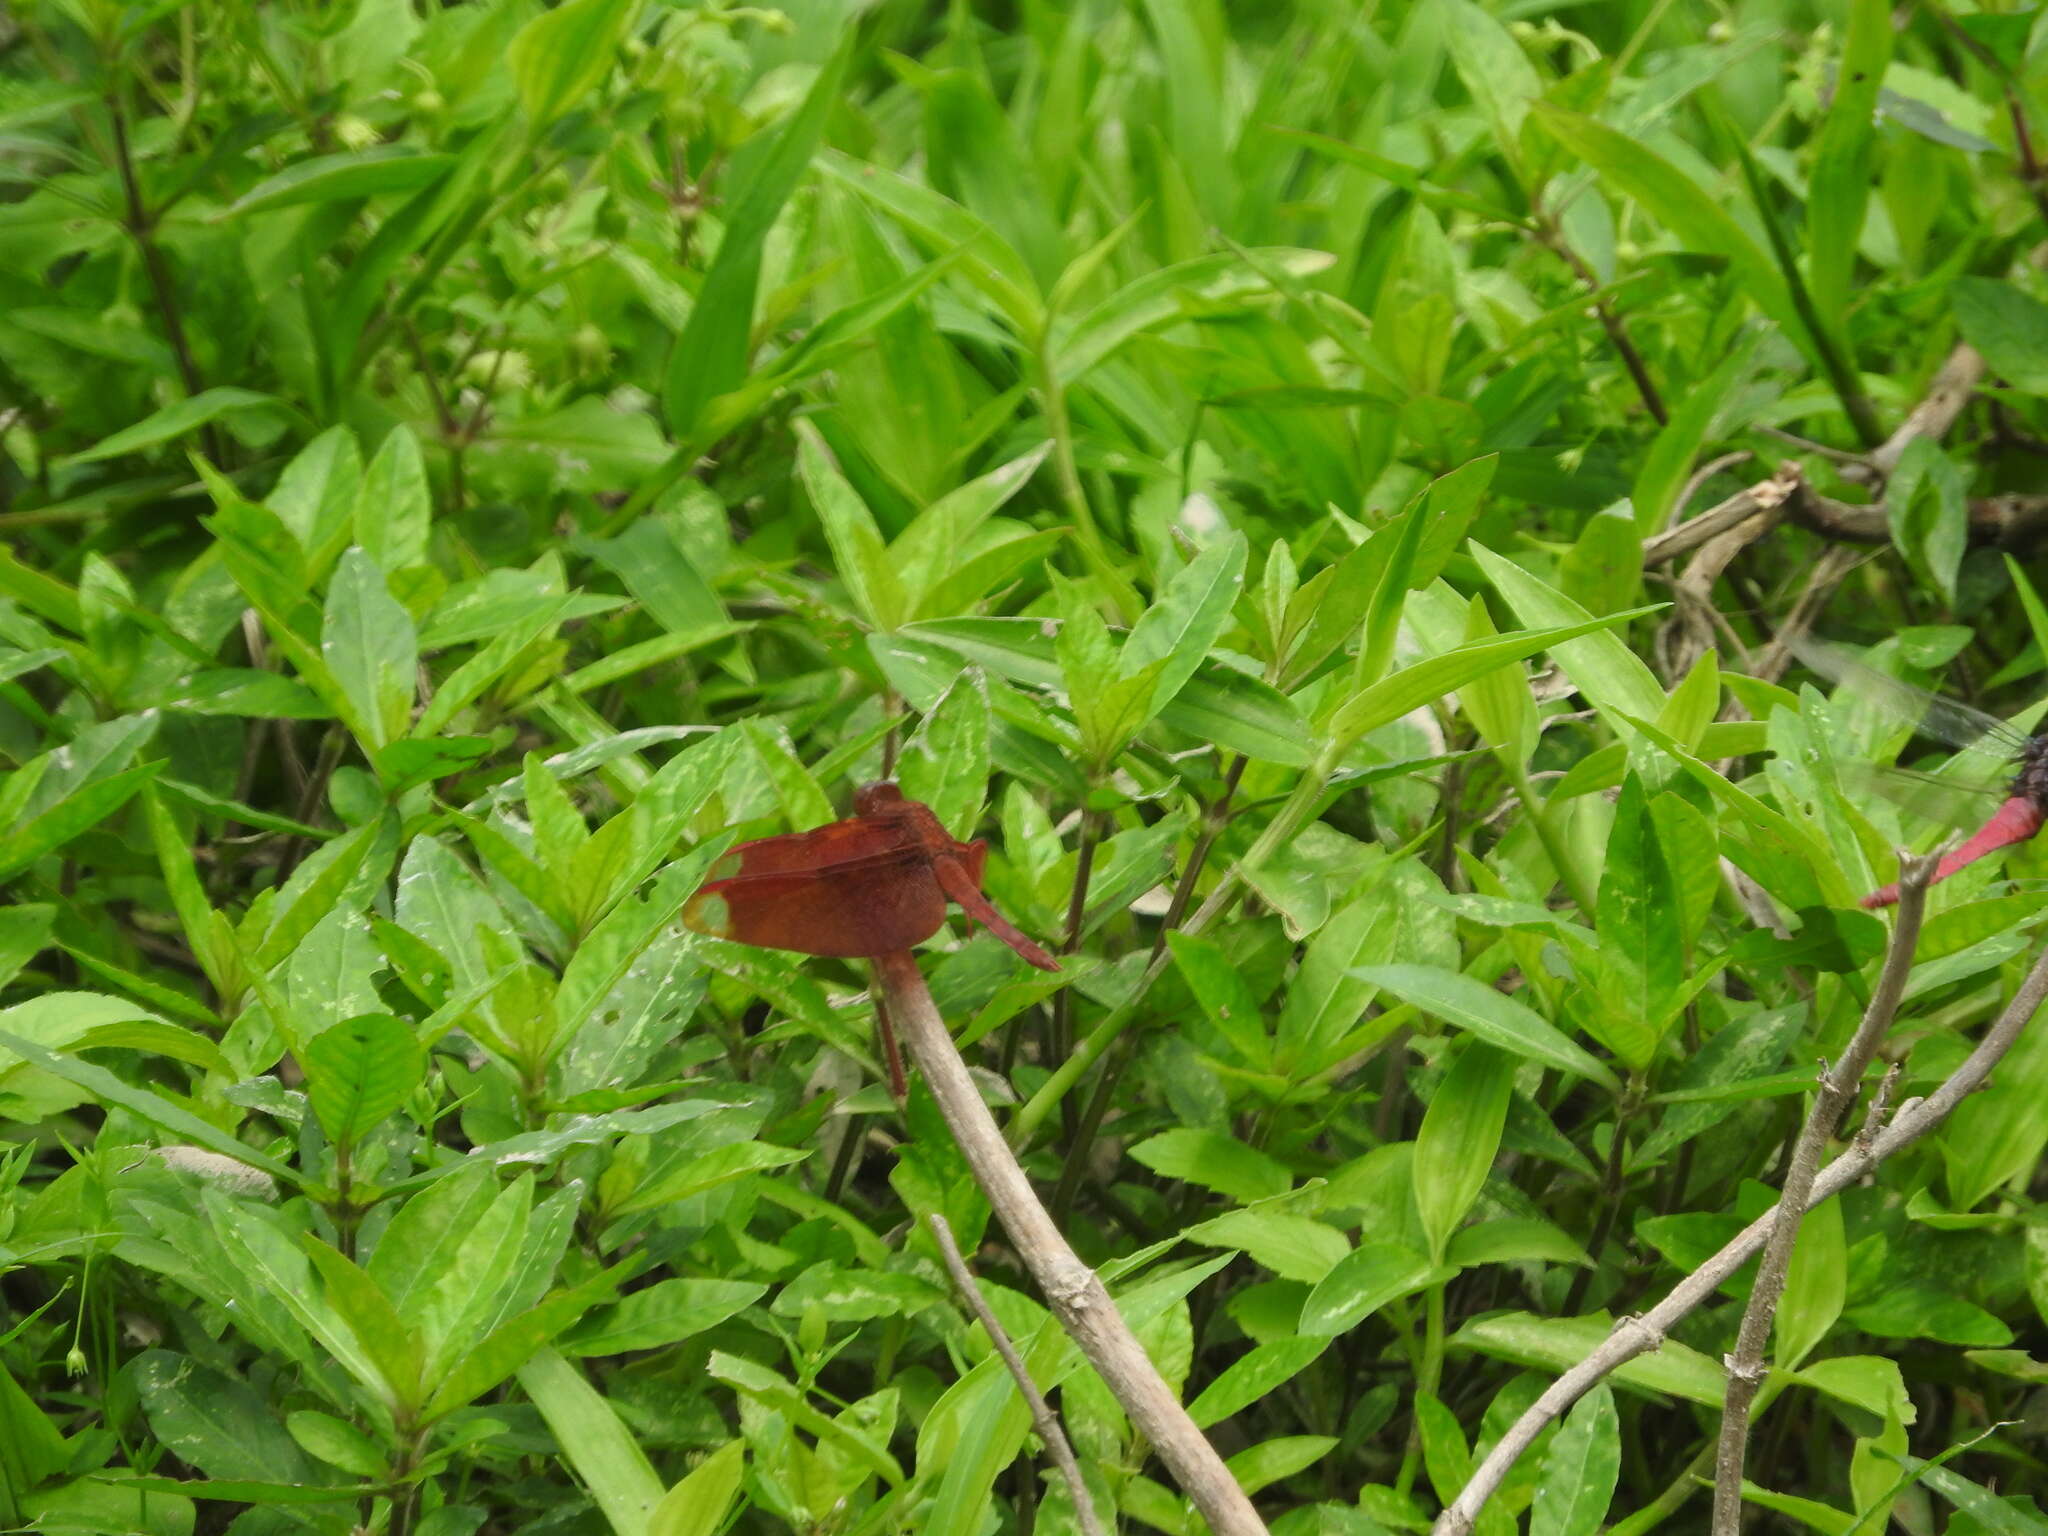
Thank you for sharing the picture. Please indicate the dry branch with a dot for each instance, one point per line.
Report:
(1075, 1293)
(1766, 496)
(1938, 408)
(1633, 1336)
(1838, 1086)
(1043, 1418)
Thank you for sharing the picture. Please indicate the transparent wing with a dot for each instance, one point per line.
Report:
(1946, 720)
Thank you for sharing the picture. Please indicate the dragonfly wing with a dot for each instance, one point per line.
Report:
(838, 842)
(1947, 799)
(866, 907)
(1932, 714)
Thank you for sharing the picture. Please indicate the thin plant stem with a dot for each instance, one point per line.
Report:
(140, 223)
(1073, 495)
(1284, 825)
(1082, 1137)
(1070, 940)
(1428, 1378)
(1551, 234)
(1554, 845)
(1610, 1194)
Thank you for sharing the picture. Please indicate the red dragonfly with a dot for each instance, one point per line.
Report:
(2024, 808)
(872, 884)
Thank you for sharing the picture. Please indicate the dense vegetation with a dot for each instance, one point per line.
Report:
(458, 464)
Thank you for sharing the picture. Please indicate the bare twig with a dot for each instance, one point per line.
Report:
(1042, 1417)
(1550, 232)
(1698, 479)
(1938, 408)
(1996, 521)
(1690, 630)
(1838, 1086)
(1075, 1293)
(1767, 495)
(1633, 1336)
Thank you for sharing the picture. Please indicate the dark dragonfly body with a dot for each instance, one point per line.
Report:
(2024, 809)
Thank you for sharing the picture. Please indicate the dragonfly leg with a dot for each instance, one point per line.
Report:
(899, 1087)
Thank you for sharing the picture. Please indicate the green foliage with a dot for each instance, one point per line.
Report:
(465, 466)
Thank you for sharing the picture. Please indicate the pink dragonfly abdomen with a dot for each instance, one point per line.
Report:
(2018, 819)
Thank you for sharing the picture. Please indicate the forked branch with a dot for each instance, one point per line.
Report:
(1075, 1293)
(1838, 1086)
(1632, 1336)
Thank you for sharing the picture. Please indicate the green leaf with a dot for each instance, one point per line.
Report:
(946, 761)
(1270, 1461)
(216, 1422)
(1674, 199)
(560, 56)
(1185, 619)
(1500, 703)
(513, 1342)
(1494, 69)
(1460, 1134)
(84, 807)
(1412, 687)
(1555, 1344)
(597, 1445)
(1677, 446)
(390, 1346)
(361, 173)
(1213, 1161)
(710, 357)
(1108, 693)
(940, 225)
(1162, 296)
(266, 412)
(654, 563)
(973, 156)
(151, 1107)
(1491, 1016)
(338, 1443)
(1604, 569)
(722, 1165)
(1260, 1370)
(359, 1072)
(928, 552)
(247, 691)
(2008, 326)
(771, 1391)
(1293, 1247)
(394, 509)
(1577, 1480)
(666, 1312)
(1611, 676)
(1219, 704)
(1362, 1282)
(1642, 946)
(1927, 508)
(371, 649)
(698, 1504)
(1329, 994)
(1220, 988)
(1838, 190)
(1816, 1286)
(859, 553)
